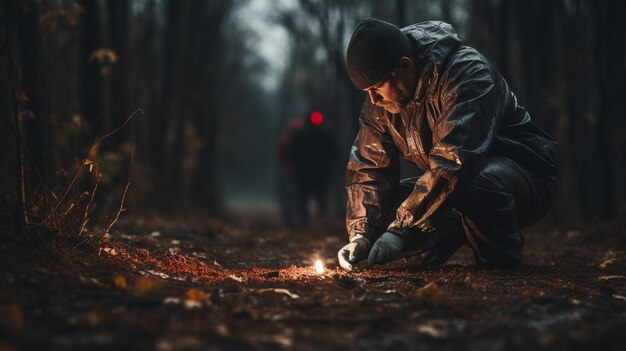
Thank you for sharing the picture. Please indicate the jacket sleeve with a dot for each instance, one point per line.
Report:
(372, 174)
(472, 97)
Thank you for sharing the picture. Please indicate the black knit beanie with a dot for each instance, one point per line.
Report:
(375, 50)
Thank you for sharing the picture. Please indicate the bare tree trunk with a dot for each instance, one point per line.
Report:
(30, 89)
(575, 189)
(446, 10)
(210, 106)
(152, 90)
(504, 40)
(483, 31)
(610, 57)
(400, 13)
(119, 31)
(164, 126)
(90, 91)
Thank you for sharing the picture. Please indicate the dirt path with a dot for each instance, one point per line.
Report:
(200, 284)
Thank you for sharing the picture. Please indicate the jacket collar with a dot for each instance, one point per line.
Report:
(426, 81)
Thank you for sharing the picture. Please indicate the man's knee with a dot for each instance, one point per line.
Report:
(485, 195)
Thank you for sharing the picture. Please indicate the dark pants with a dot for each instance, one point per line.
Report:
(488, 213)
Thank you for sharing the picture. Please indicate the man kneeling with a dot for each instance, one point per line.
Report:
(489, 170)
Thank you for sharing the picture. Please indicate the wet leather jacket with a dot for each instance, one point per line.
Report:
(462, 112)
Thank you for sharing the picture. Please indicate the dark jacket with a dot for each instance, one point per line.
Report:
(462, 112)
(313, 151)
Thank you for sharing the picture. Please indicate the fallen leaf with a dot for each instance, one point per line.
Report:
(609, 277)
(283, 340)
(109, 250)
(236, 278)
(189, 304)
(197, 295)
(158, 274)
(607, 262)
(145, 285)
(281, 291)
(430, 289)
(89, 280)
(430, 330)
(392, 291)
(120, 282)
(619, 297)
(171, 300)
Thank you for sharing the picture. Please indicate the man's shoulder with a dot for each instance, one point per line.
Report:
(467, 53)
(468, 62)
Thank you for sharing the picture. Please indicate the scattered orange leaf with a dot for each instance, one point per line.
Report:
(120, 282)
(197, 295)
(145, 285)
(430, 289)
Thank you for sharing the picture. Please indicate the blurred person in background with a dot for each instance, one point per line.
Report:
(312, 150)
(287, 192)
(489, 170)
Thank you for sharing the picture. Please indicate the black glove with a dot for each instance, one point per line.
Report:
(387, 248)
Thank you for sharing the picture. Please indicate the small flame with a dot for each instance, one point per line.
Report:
(319, 267)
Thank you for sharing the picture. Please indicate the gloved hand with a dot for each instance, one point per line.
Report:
(355, 251)
(387, 248)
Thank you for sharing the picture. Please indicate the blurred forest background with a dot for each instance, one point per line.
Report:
(216, 83)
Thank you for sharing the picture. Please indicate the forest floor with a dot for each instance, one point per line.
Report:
(204, 284)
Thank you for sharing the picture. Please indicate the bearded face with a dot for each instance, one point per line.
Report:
(394, 93)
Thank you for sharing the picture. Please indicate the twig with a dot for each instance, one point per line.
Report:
(82, 242)
(122, 126)
(82, 163)
(120, 210)
(90, 203)
(49, 141)
(130, 166)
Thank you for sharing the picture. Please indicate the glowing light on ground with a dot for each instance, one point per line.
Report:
(319, 267)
